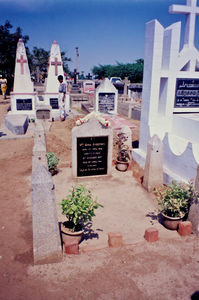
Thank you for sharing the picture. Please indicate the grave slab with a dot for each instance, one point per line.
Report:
(17, 124)
(46, 235)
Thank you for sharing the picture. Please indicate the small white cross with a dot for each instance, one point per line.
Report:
(191, 10)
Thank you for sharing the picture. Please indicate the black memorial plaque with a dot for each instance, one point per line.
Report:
(187, 93)
(54, 103)
(24, 104)
(106, 102)
(92, 153)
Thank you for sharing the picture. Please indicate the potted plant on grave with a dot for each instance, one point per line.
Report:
(53, 161)
(79, 207)
(123, 157)
(174, 201)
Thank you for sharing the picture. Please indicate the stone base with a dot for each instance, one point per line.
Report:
(75, 89)
(135, 113)
(87, 107)
(43, 112)
(124, 98)
(129, 109)
(76, 100)
(17, 124)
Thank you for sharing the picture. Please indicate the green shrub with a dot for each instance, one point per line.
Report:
(174, 200)
(53, 160)
(79, 206)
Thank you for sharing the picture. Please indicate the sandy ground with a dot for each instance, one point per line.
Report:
(167, 269)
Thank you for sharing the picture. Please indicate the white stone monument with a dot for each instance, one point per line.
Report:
(170, 101)
(55, 69)
(106, 97)
(153, 171)
(23, 97)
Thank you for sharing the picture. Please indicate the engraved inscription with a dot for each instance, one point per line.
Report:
(54, 103)
(24, 104)
(187, 93)
(106, 102)
(92, 155)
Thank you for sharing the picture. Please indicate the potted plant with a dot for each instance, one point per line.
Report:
(53, 161)
(79, 207)
(123, 156)
(174, 201)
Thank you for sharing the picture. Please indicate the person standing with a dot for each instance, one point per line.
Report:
(62, 96)
(3, 82)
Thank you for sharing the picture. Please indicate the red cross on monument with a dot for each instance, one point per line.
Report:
(56, 63)
(22, 61)
(191, 10)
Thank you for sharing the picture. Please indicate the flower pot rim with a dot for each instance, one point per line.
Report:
(173, 218)
(67, 231)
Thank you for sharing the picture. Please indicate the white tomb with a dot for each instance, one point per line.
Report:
(106, 97)
(55, 69)
(23, 97)
(170, 100)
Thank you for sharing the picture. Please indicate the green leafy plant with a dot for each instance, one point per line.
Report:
(52, 160)
(174, 200)
(79, 206)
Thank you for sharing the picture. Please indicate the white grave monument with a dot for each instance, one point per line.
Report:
(23, 97)
(170, 102)
(55, 69)
(106, 97)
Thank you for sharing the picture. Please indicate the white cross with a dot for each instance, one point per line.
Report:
(191, 10)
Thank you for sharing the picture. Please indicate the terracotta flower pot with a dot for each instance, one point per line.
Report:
(171, 222)
(70, 237)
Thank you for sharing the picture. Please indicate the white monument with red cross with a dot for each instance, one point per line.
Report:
(23, 97)
(170, 99)
(55, 68)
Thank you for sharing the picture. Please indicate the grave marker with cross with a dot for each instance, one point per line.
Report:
(22, 61)
(191, 10)
(56, 63)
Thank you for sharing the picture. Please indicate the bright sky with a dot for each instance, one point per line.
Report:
(106, 31)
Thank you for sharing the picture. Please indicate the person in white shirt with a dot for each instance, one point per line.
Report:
(62, 96)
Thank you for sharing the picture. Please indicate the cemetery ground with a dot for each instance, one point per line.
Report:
(166, 269)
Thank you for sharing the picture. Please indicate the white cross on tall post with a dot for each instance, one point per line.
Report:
(191, 10)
